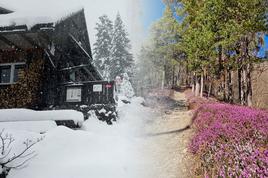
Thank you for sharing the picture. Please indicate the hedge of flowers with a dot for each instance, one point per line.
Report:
(230, 141)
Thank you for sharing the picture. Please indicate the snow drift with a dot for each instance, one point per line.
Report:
(97, 151)
(7, 115)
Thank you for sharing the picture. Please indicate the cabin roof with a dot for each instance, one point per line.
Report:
(4, 11)
(39, 34)
(32, 12)
(20, 37)
(66, 33)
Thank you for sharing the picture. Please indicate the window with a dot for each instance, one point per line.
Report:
(5, 72)
(11, 73)
(73, 94)
(72, 76)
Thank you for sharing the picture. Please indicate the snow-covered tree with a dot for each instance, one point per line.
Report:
(126, 88)
(121, 58)
(103, 45)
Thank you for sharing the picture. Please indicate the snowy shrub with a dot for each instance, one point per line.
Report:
(125, 87)
(104, 112)
(231, 141)
(10, 159)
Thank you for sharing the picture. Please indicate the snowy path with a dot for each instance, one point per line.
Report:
(167, 144)
(140, 145)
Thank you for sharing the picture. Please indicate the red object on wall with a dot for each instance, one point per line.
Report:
(108, 86)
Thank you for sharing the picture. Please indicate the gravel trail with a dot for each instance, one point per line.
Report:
(166, 142)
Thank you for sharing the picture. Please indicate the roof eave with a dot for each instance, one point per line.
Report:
(5, 11)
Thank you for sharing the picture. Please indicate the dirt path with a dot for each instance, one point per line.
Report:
(167, 140)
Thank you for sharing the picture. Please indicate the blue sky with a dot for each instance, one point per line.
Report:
(262, 52)
(153, 10)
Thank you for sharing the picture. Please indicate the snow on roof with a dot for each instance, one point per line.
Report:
(32, 12)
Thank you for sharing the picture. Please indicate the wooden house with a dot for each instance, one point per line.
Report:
(49, 65)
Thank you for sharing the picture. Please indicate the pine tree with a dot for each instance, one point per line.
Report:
(164, 41)
(121, 59)
(103, 45)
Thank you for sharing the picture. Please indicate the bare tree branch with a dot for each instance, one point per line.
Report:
(6, 148)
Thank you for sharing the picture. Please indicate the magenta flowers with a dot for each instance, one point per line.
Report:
(230, 140)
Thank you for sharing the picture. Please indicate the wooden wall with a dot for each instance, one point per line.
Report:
(26, 92)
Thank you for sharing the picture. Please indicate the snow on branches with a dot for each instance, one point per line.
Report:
(112, 48)
(10, 159)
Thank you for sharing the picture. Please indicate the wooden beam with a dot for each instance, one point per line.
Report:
(49, 55)
(80, 46)
(9, 43)
(75, 67)
(89, 72)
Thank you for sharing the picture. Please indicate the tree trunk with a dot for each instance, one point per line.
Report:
(187, 76)
(193, 83)
(244, 89)
(225, 88)
(239, 85)
(249, 86)
(230, 86)
(220, 61)
(209, 88)
(197, 86)
(174, 81)
(163, 79)
(202, 85)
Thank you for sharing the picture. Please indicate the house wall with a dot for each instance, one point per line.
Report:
(26, 92)
(88, 96)
(13, 56)
(44, 82)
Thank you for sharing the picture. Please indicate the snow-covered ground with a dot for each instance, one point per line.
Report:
(30, 126)
(96, 151)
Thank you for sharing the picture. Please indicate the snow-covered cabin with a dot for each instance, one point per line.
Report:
(47, 62)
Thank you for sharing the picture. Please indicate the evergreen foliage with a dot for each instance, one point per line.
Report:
(122, 59)
(112, 48)
(103, 45)
(211, 39)
(159, 57)
(218, 44)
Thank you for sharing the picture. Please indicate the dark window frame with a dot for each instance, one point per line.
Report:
(12, 72)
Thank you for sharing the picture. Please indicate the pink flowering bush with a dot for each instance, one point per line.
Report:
(196, 102)
(231, 141)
